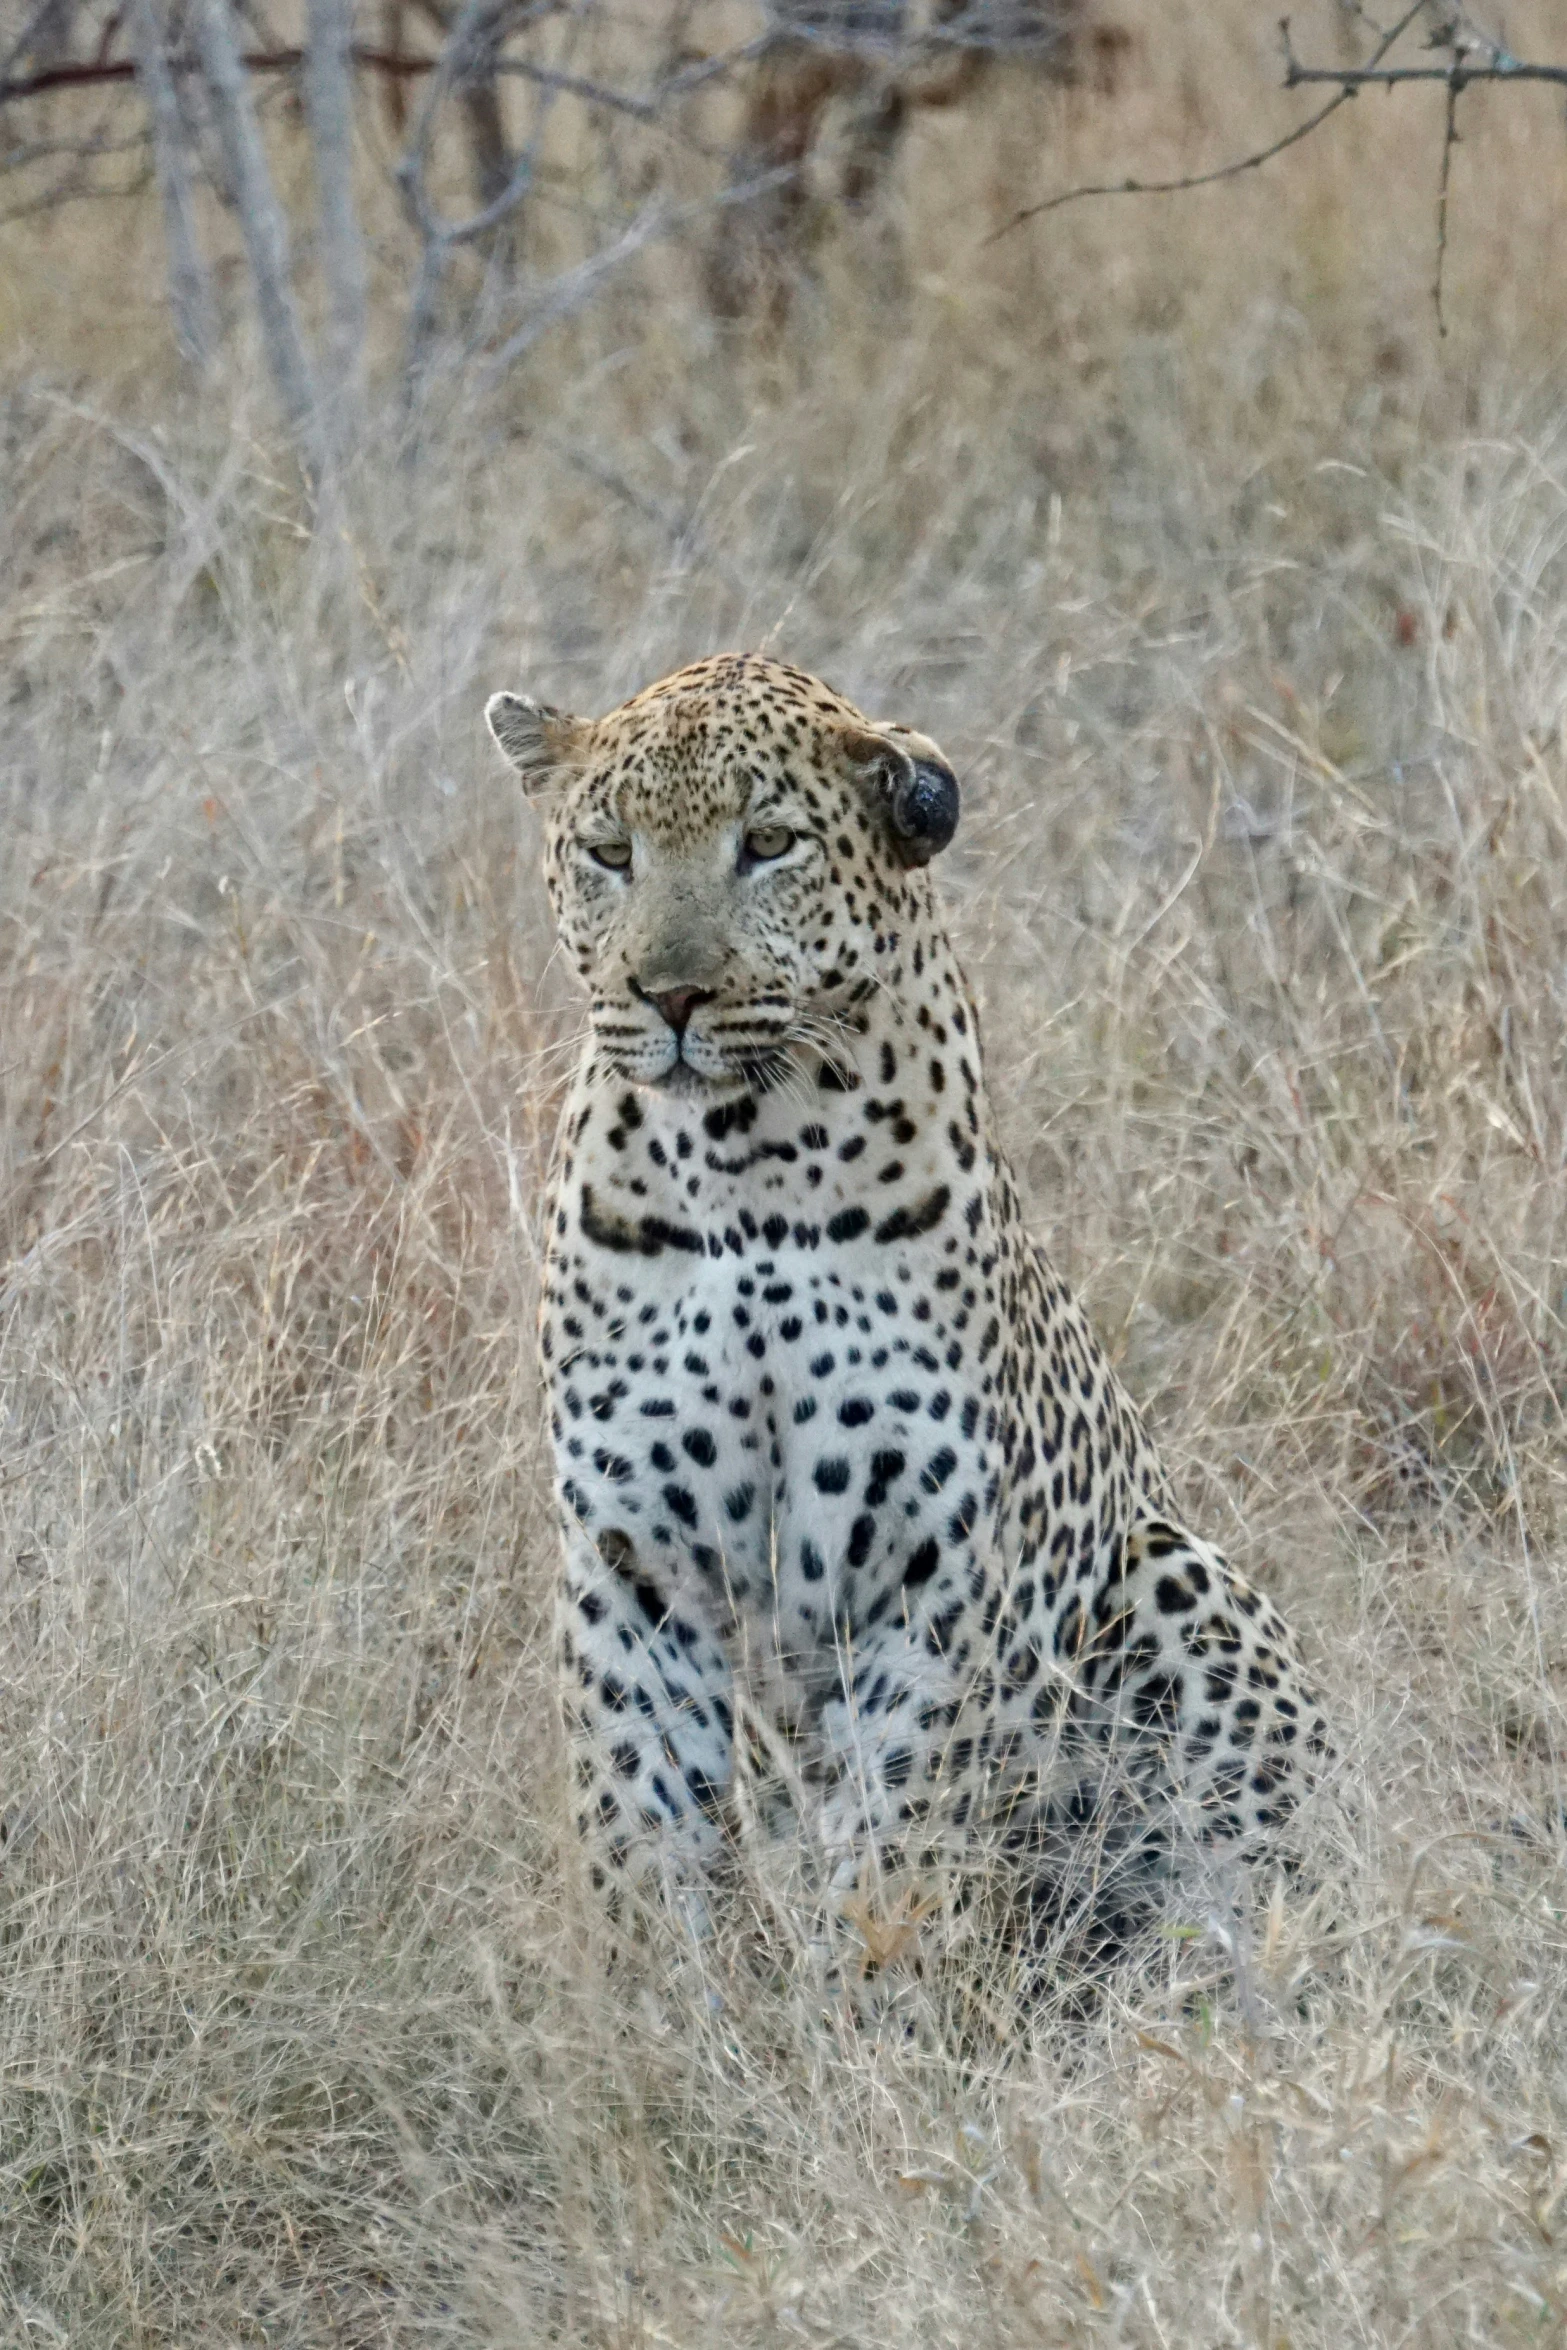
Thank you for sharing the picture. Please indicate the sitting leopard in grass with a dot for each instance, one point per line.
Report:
(829, 1431)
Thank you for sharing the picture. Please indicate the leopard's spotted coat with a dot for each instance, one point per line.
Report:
(824, 1416)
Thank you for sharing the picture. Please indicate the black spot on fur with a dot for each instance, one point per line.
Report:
(848, 1224)
(922, 1563)
(924, 1216)
(649, 1236)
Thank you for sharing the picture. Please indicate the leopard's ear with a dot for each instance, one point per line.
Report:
(539, 742)
(911, 785)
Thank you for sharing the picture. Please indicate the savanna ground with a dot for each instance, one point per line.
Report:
(1240, 601)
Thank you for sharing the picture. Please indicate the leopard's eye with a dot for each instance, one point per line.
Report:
(616, 854)
(768, 841)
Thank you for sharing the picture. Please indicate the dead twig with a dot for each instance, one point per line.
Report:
(1346, 82)
(1223, 171)
(1449, 142)
(1457, 77)
(1173, 187)
(87, 74)
(400, 65)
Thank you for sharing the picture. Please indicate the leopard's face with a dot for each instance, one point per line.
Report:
(732, 858)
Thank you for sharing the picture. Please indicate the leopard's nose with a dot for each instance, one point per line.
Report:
(676, 1003)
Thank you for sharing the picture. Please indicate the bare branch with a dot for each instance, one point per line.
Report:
(655, 221)
(440, 237)
(435, 234)
(1345, 82)
(402, 65)
(264, 228)
(121, 69)
(1449, 142)
(1458, 75)
(1352, 78)
(329, 104)
(190, 288)
(1175, 187)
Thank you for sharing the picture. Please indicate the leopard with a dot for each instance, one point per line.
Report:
(836, 1450)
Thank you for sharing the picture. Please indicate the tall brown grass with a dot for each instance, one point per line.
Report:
(1241, 603)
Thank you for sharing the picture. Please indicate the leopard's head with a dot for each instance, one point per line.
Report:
(734, 857)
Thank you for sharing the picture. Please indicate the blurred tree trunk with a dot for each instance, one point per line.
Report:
(264, 228)
(190, 286)
(329, 105)
(756, 252)
(890, 56)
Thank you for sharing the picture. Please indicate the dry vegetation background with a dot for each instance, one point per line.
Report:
(1240, 601)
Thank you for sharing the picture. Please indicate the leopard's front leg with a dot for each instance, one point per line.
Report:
(649, 1717)
(907, 1744)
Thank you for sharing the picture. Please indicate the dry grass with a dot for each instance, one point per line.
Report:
(1255, 661)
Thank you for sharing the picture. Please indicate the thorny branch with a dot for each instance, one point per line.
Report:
(1174, 187)
(1223, 171)
(1473, 57)
(1449, 142)
(1465, 43)
(1457, 77)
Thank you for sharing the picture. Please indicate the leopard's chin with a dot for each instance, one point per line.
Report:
(681, 1081)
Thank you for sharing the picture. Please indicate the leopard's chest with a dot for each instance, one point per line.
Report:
(782, 1414)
